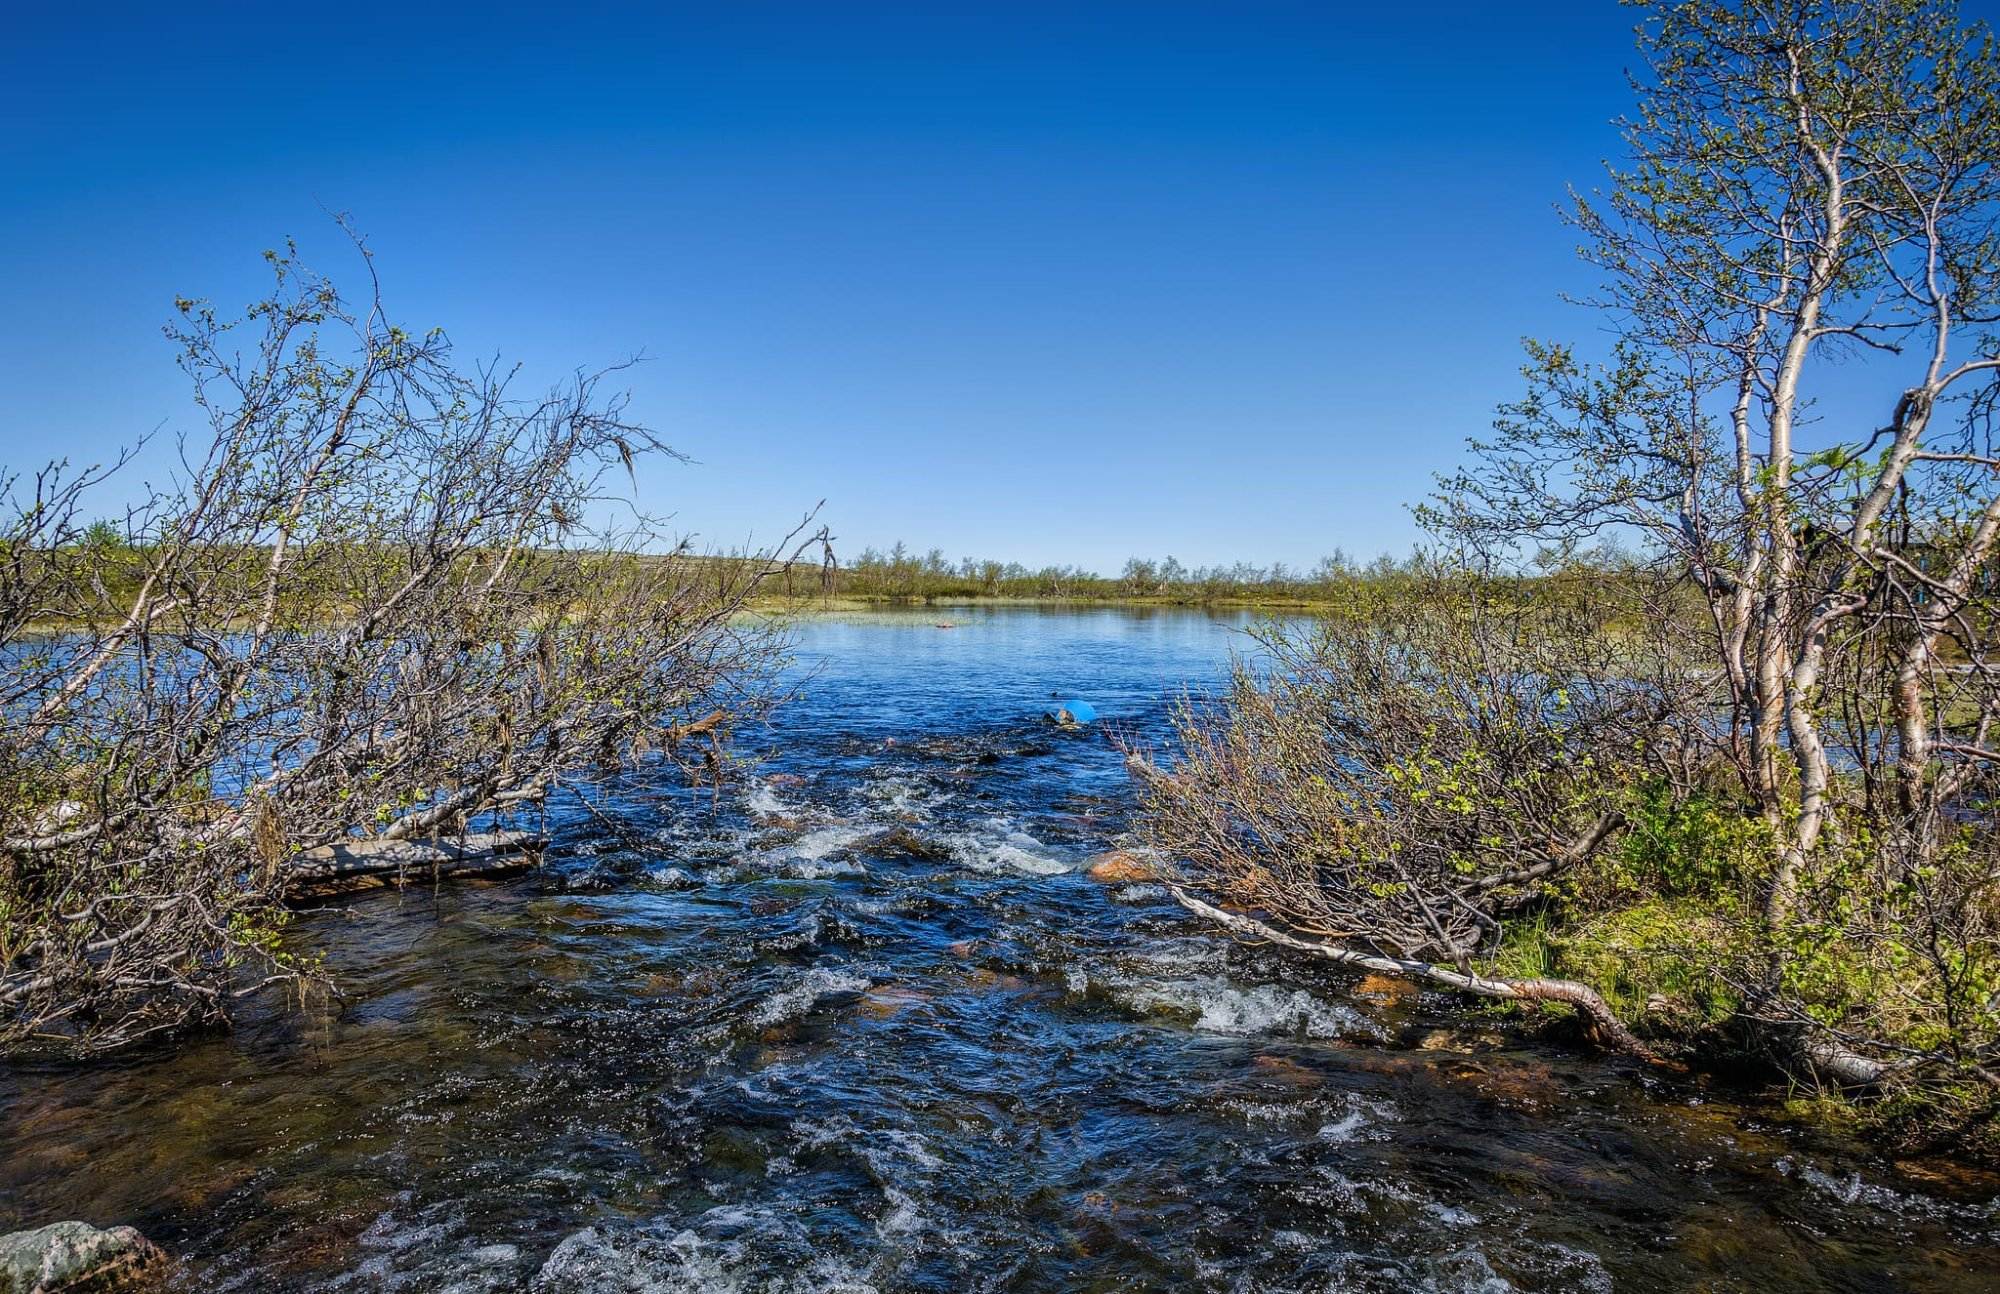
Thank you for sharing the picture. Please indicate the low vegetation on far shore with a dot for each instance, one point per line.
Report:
(901, 576)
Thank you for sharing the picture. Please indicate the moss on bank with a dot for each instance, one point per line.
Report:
(1664, 927)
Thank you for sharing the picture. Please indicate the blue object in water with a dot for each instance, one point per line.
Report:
(1074, 712)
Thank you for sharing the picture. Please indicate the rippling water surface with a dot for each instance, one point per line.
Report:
(863, 1024)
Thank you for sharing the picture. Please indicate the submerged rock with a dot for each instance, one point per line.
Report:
(1384, 988)
(886, 1001)
(1285, 1070)
(75, 1258)
(1458, 1040)
(901, 842)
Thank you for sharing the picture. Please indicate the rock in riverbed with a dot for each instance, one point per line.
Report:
(1119, 868)
(75, 1258)
(901, 842)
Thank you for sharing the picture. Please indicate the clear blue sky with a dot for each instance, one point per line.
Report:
(1065, 282)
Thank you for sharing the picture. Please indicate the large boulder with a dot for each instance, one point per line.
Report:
(75, 1258)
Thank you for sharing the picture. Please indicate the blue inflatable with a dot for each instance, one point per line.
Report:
(1074, 712)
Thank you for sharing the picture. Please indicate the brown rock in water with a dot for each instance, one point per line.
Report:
(76, 1258)
(1286, 1071)
(901, 842)
(1118, 868)
(1459, 1040)
(1385, 988)
(886, 1000)
(982, 978)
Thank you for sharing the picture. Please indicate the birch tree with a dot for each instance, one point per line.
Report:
(386, 598)
(1791, 433)
(1802, 274)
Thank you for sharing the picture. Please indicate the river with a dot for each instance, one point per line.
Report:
(862, 1023)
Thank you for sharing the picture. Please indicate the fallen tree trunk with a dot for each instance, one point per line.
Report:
(1837, 1066)
(349, 865)
(1581, 996)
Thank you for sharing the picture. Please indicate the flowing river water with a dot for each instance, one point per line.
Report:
(862, 1023)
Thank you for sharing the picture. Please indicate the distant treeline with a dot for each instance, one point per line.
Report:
(902, 574)
(103, 568)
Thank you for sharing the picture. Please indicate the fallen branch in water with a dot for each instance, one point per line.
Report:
(1581, 996)
(366, 864)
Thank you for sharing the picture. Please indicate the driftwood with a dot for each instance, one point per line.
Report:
(367, 864)
(1581, 996)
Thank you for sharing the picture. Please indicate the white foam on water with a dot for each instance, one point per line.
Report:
(1344, 1129)
(697, 850)
(1266, 1112)
(900, 1160)
(813, 855)
(1329, 1188)
(905, 799)
(905, 1218)
(419, 1249)
(1179, 961)
(1265, 1009)
(593, 1261)
(892, 1153)
(1580, 1269)
(796, 1000)
(1358, 1119)
(821, 869)
(1849, 1189)
(1853, 1189)
(1466, 1271)
(909, 1148)
(766, 803)
(822, 841)
(1016, 852)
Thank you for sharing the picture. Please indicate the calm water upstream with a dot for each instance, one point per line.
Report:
(864, 1025)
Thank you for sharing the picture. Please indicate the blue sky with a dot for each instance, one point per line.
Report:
(1053, 283)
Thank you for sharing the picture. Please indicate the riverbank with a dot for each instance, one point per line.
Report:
(865, 1019)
